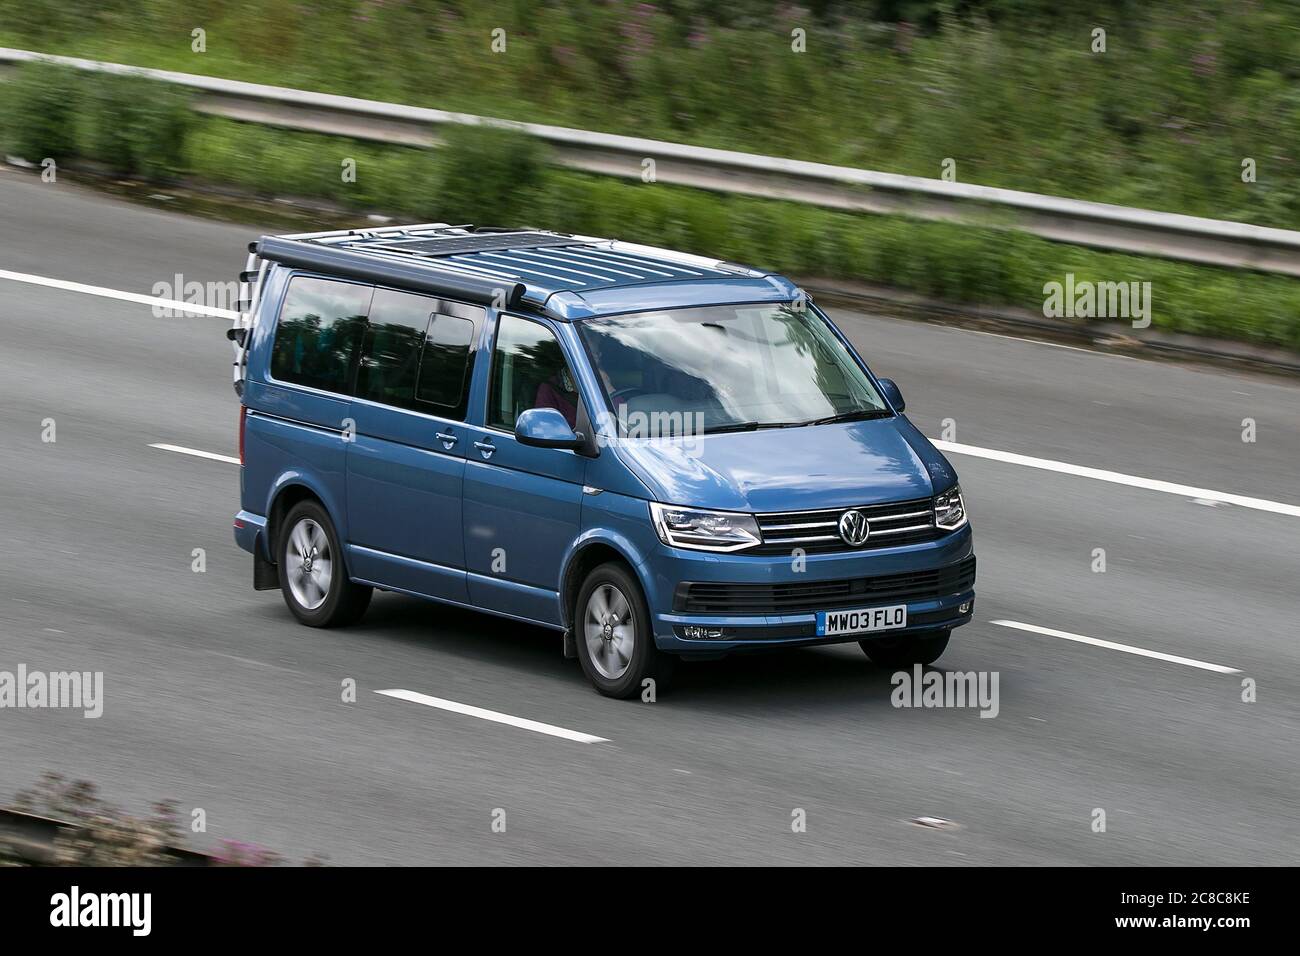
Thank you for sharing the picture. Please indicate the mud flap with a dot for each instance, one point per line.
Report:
(570, 645)
(266, 576)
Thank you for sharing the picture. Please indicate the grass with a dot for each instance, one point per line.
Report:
(1011, 90)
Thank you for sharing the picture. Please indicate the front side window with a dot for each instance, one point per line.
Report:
(529, 371)
(727, 368)
(320, 325)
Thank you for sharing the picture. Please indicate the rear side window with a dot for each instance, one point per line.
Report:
(416, 355)
(319, 329)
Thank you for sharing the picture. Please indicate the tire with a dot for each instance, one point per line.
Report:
(906, 651)
(616, 645)
(318, 594)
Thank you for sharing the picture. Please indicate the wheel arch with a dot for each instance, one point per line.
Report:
(288, 492)
(589, 552)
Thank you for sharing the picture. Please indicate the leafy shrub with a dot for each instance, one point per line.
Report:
(38, 112)
(135, 125)
(485, 172)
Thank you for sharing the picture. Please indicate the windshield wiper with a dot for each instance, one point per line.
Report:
(748, 426)
(858, 415)
(731, 427)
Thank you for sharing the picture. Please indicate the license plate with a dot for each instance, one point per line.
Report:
(861, 620)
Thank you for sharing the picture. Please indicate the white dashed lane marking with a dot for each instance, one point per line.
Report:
(496, 717)
(1114, 646)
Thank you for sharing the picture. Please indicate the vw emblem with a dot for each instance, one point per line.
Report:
(854, 528)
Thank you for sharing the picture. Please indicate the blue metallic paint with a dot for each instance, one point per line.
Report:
(421, 518)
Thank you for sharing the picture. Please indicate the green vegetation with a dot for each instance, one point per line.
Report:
(496, 177)
(1009, 89)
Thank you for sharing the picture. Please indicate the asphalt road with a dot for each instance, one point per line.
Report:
(216, 698)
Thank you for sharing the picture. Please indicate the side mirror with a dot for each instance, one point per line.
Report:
(892, 394)
(546, 428)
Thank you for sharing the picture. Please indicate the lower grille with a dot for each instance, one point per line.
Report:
(817, 532)
(708, 597)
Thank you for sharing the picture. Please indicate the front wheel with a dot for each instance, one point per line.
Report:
(616, 645)
(906, 651)
(313, 577)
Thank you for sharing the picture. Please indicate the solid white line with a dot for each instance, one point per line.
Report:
(1055, 345)
(175, 305)
(1126, 648)
(1115, 477)
(196, 453)
(492, 715)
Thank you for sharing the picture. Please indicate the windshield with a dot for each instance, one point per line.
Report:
(726, 368)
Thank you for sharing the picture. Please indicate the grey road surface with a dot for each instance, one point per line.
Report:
(216, 698)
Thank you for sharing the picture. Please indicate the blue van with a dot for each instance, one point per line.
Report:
(658, 455)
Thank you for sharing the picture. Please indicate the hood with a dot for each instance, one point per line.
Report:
(793, 469)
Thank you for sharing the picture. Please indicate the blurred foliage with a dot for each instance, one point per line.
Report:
(38, 110)
(1009, 89)
(497, 177)
(98, 834)
(942, 260)
(486, 172)
(136, 126)
(131, 125)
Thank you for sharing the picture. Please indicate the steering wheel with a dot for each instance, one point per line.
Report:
(620, 396)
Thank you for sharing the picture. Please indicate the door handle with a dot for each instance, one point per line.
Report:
(486, 448)
(447, 438)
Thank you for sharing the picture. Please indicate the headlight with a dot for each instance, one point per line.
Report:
(950, 509)
(704, 530)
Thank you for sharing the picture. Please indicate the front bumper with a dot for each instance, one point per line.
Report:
(928, 612)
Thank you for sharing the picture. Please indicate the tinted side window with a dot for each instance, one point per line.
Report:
(416, 355)
(444, 370)
(528, 371)
(318, 332)
(390, 358)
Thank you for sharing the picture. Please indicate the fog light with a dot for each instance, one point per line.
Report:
(964, 608)
(696, 632)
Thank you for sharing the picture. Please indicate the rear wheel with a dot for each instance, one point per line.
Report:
(616, 645)
(313, 577)
(891, 652)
